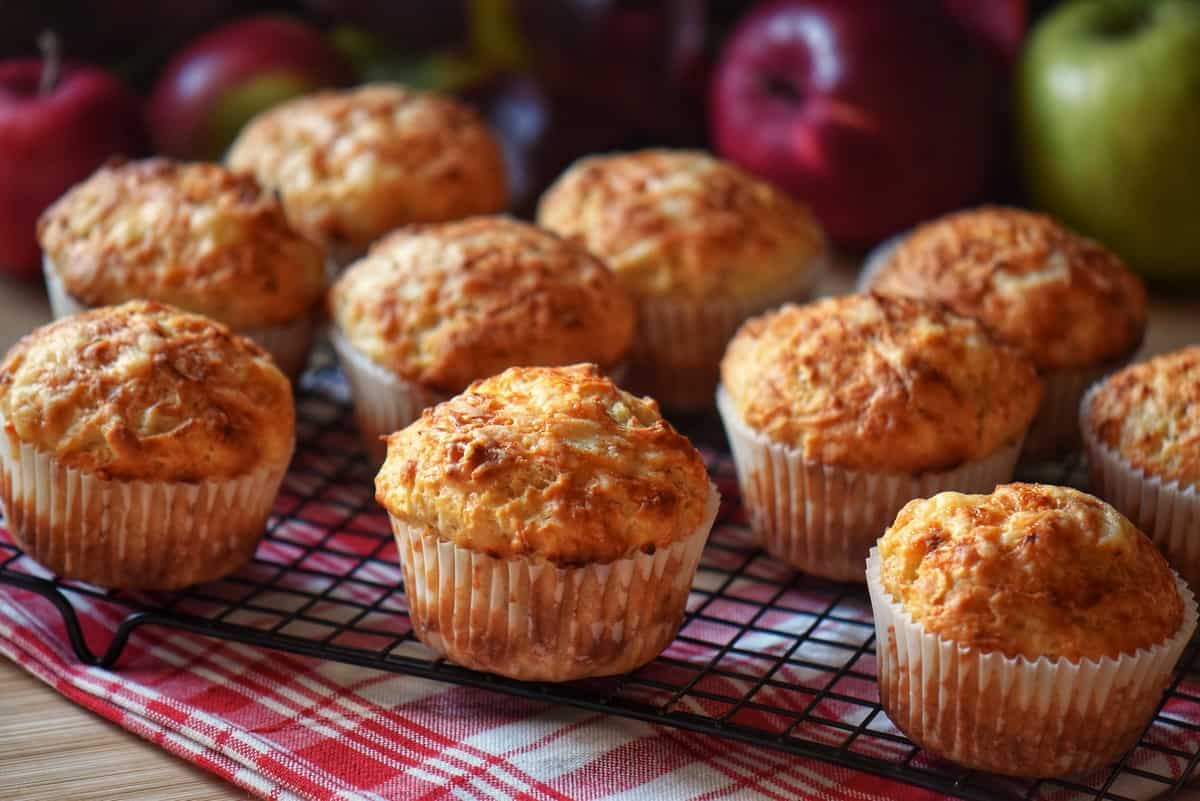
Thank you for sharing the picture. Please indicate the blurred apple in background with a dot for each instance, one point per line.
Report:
(1108, 111)
(222, 79)
(877, 114)
(58, 123)
(402, 26)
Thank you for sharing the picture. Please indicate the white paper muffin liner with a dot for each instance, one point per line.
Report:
(1166, 511)
(823, 519)
(679, 344)
(1054, 431)
(531, 620)
(1039, 718)
(288, 343)
(383, 401)
(131, 534)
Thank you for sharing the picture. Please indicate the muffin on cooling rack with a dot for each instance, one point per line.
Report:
(549, 524)
(841, 411)
(434, 307)
(197, 236)
(700, 244)
(141, 446)
(1069, 303)
(353, 164)
(1028, 632)
(1141, 431)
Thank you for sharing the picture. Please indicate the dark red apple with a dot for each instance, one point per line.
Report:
(878, 114)
(998, 25)
(225, 77)
(56, 126)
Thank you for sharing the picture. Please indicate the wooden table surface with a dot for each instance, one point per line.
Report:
(52, 750)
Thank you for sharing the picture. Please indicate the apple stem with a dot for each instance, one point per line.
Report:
(51, 48)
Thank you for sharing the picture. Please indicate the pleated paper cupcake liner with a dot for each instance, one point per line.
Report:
(383, 401)
(1167, 512)
(153, 535)
(678, 349)
(288, 343)
(536, 621)
(1054, 432)
(1020, 717)
(823, 519)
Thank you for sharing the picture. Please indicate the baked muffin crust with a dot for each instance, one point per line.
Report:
(1150, 414)
(879, 383)
(197, 236)
(684, 224)
(146, 391)
(445, 304)
(354, 164)
(1030, 570)
(551, 463)
(1063, 298)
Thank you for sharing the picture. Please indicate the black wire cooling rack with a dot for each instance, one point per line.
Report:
(765, 656)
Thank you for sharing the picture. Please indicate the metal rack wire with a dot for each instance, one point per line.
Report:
(765, 656)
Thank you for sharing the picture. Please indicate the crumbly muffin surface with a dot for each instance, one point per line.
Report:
(551, 463)
(685, 224)
(1065, 299)
(1030, 570)
(882, 384)
(146, 391)
(196, 236)
(445, 304)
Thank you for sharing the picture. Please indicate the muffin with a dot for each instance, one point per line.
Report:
(1141, 431)
(196, 236)
(548, 524)
(701, 246)
(840, 412)
(434, 307)
(353, 164)
(141, 446)
(1069, 303)
(1029, 632)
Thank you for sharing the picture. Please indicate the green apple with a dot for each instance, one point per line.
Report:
(1108, 126)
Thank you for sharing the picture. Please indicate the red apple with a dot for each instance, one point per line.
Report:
(225, 77)
(878, 114)
(56, 126)
(998, 25)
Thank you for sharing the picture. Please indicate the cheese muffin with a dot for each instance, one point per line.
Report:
(353, 164)
(434, 307)
(841, 411)
(196, 236)
(1068, 302)
(1050, 601)
(699, 243)
(141, 446)
(1141, 430)
(548, 523)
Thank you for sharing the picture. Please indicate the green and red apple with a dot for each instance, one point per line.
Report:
(1108, 125)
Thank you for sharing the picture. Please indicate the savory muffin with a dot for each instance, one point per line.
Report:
(1141, 429)
(197, 236)
(1067, 301)
(142, 446)
(840, 411)
(1037, 594)
(434, 307)
(548, 523)
(353, 164)
(699, 243)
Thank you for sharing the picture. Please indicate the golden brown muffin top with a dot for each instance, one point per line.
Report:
(197, 236)
(354, 164)
(554, 463)
(1063, 298)
(445, 304)
(146, 391)
(883, 384)
(1150, 414)
(684, 224)
(1030, 570)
